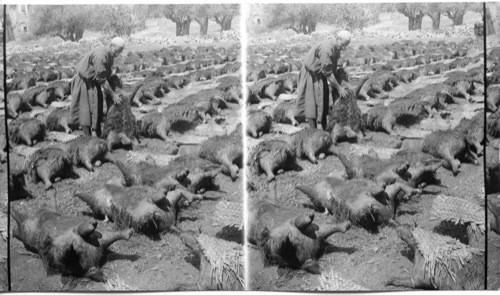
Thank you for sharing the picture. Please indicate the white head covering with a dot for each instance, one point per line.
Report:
(344, 35)
(119, 42)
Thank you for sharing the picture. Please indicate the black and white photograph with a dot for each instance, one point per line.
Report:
(365, 139)
(125, 147)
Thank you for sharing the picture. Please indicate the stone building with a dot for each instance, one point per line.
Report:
(255, 21)
(20, 18)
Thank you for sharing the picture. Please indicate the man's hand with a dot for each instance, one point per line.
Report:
(117, 99)
(342, 92)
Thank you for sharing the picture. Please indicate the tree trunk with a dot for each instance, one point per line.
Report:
(303, 28)
(78, 34)
(203, 22)
(9, 30)
(311, 27)
(418, 22)
(490, 28)
(186, 24)
(436, 21)
(178, 28)
(182, 27)
(226, 24)
(458, 20)
(411, 23)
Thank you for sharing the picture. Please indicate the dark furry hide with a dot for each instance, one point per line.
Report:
(16, 104)
(345, 112)
(258, 122)
(282, 244)
(258, 88)
(493, 125)
(30, 94)
(185, 112)
(57, 161)
(281, 152)
(26, 128)
(202, 98)
(151, 123)
(85, 150)
(450, 145)
(54, 118)
(120, 118)
(492, 170)
(456, 77)
(473, 130)
(281, 110)
(61, 244)
(376, 116)
(311, 140)
(61, 88)
(408, 112)
(224, 150)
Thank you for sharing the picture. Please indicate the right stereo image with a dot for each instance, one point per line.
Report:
(365, 142)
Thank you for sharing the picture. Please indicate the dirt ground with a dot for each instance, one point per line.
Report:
(368, 259)
(140, 263)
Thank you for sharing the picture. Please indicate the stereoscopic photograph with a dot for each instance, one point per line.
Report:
(365, 139)
(250, 146)
(125, 147)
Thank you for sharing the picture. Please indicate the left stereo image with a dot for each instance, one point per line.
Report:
(125, 148)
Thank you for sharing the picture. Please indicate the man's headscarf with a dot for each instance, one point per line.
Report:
(344, 35)
(119, 42)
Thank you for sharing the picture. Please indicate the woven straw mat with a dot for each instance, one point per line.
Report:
(459, 211)
(440, 252)
(225, 257)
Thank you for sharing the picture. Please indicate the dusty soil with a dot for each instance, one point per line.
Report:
(140, 263)
(366, 258)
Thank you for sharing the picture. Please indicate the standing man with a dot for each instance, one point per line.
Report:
(318, 69)
(89, 84)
